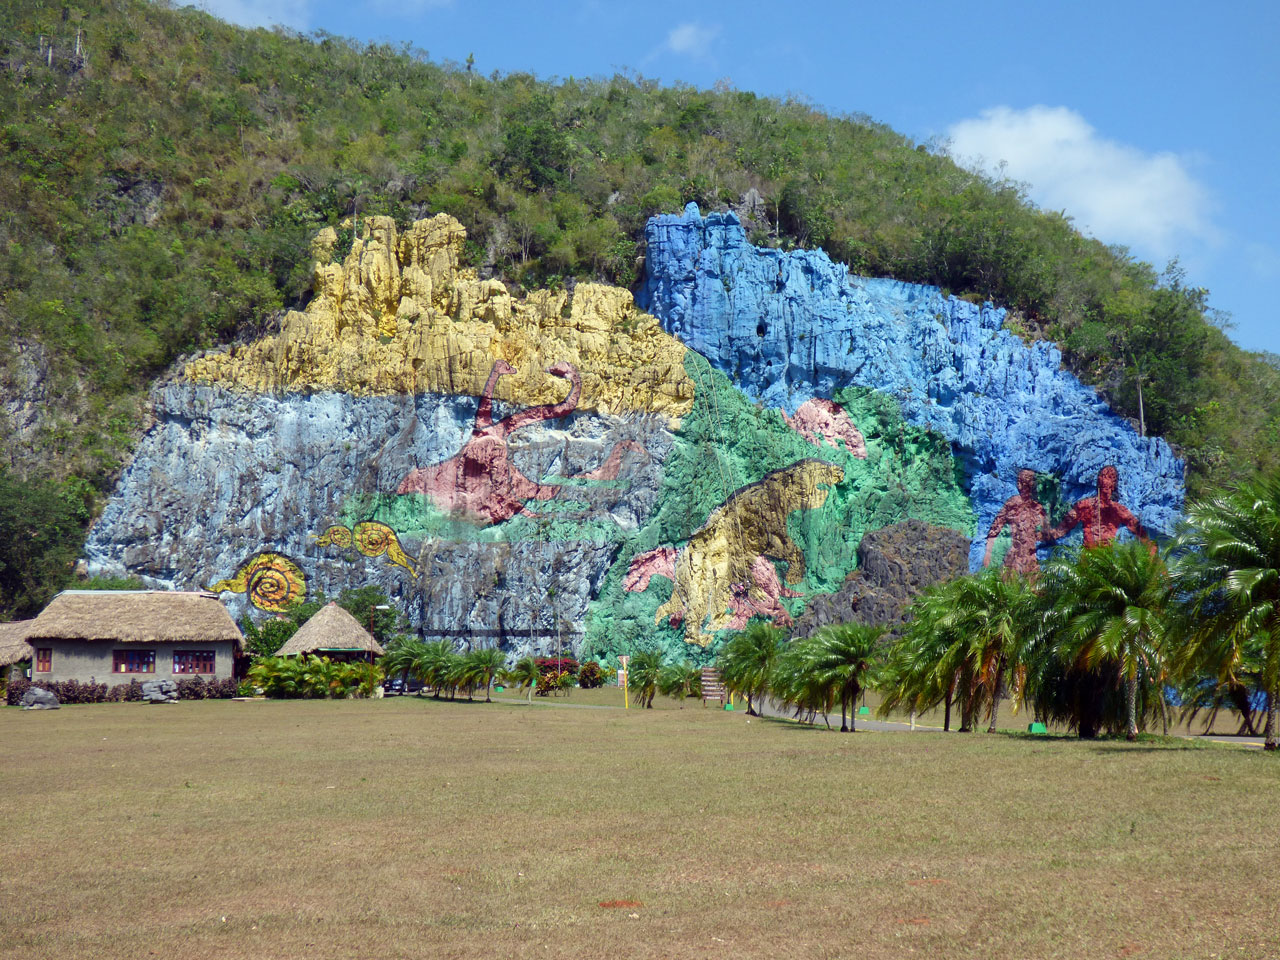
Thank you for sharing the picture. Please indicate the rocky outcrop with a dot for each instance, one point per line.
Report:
(398, 316)
(787, 327)
(895, 564)
(554, 470)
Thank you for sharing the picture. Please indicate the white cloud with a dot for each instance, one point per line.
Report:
(261, 13)
(691, 40)
(1118, 193)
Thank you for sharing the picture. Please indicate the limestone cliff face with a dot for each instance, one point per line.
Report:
(787, 327)
(544, 470)
(398, 316)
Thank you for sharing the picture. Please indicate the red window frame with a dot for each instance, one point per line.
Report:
(44, 659)
(133, 661)
(188, 662)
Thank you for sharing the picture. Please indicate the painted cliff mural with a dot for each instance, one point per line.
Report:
(762, 436)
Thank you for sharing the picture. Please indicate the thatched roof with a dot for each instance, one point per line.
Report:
(13, 642)
(135, 616)
(332, 629)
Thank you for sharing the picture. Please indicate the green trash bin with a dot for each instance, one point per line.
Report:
(1037, 728)
(864, 711)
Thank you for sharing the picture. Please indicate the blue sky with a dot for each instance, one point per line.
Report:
(1154, 125)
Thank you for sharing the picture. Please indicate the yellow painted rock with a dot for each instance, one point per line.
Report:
(399, 315)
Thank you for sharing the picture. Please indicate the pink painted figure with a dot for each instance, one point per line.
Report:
(819, 419)
(645, 566)
(1101, 517)
(480, 482)
(760, 597)
(1028, 526)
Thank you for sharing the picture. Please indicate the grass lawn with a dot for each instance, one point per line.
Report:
(407, 828)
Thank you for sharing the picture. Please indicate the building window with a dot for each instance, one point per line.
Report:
(193, 661)
(44, 660)
(134, 661)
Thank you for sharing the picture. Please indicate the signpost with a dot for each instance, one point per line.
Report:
(622, 681)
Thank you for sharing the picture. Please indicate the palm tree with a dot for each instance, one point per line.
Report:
(643, 674)
(967, 637)
(680, 680)
(1109, 614)
(843, 660)
(1227, 570)
(432, 663)
(523, 674)
(483, 665)
(796, 683)
(923, 666)
(746, 663)
(401, 652)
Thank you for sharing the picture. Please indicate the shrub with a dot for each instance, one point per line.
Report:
(557, 665)
(590, 676)
(74, 691)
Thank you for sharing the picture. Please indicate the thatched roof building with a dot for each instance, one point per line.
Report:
(135, 616)
(332, 630)
(13, 642)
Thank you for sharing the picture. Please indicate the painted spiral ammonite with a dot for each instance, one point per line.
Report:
(338, 536)
(272, 582)
(375, 539)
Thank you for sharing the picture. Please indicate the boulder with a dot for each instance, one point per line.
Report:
(37, 698)
(894, 564)
(160, 691)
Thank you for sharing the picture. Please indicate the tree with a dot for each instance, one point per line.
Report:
(524, 674)
(483, 665)
(843, 659)
(797, 683)
(922, 668)
(642, 676)
(966, 637)
(364, 604)
(400, 654)
(433, 663)
(41, 532)
(1109, 614)
(680, 681)
(746, 663)
(1227, 572)
(265, 640)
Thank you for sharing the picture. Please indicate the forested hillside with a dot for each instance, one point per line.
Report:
(162, 175)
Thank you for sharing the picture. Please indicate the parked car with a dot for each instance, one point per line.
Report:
(396, 686)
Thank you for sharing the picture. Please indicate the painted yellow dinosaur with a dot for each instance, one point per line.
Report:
(724, 574)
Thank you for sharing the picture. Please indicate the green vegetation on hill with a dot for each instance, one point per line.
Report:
(160, 190)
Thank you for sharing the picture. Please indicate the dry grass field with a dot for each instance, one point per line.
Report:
(408, 828)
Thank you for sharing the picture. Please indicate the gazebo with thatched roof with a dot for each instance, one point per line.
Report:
(114, 636)
(334, 633)
(13, 643)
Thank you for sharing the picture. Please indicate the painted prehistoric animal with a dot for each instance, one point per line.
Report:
(371, 538)
(819, 420)
(480, 483)
(725, 575)
(335, 536)
(272, 581)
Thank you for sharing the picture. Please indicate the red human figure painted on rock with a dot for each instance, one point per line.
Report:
(480, 483)
(1028, 527)
(1101, 517)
